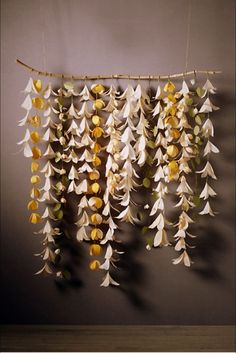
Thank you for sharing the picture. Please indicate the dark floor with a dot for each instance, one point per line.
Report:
(117, 338)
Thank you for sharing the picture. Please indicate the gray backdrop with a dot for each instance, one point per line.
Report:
(107, 36)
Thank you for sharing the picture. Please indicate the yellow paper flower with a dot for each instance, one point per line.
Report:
(173, 170)
(96, 148)
(94, 265)
(171, 98)
(95, 187)
(38, 102)
(173, 167)
(169, 87)
(35, 137)
(38, 85)
(34, 167)
(33, 205)
(94, 175)
(96, 120)
(96, 218)
(34, 218)
(35, 121)
(172, 151)
(172, 110)
(171, 120)
(36, 153)
(96, 161)
(95, 202)
(35, 179)
(96, 234)
(97, 132)
(97, 88)
(35, 193)
(95, 249)
(175, 133)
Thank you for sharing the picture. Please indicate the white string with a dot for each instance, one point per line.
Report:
(188, 36)
(43, 35)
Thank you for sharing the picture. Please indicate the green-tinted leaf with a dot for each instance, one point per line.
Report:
(140, 216)
(146, 183)
(155, 131)
(200, 92)
(196, 130)
(64, 179)
(151, 144)
(202, 115)
(66, 274)
(198, 120)
(148, 174)
(59, 214)
(59, 133)
(155, 195)
(57, 207)
(69, 85)
(60, 101)
(149, 160)
(192, 112)
(145, 230)
(150, 242)
(189, 101)
(196, 200)
(59, 185)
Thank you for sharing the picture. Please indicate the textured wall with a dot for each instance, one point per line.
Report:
(105, 36)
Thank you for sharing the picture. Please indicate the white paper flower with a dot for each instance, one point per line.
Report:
(207, 210)
(182, 258)
(207, 192)
(207, 171)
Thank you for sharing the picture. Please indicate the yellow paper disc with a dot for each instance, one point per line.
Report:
(96, 148)
(35, 137)
(34, 167)
(96, 161)
(175, 133)
(96, 218)
(96, 234)
(97, 132)
(171, 120)
(94, 175)
(95, 187)
(36, 153)
(35, 193)
(97, 88)
(38, 85)
(172, 151)
(95, 249)
(35, 179)
(173, 167)
(94, 265)
(34, 218)
(38, 102)
(35, 121)
(99, 104)
(96, 120)
(33, 205)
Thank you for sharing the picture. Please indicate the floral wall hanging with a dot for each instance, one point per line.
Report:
(97, 147)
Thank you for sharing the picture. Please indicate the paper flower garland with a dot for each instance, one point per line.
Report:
(98, 147)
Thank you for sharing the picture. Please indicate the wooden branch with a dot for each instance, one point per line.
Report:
(117, 76)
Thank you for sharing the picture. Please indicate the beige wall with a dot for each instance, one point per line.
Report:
(108, 36)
